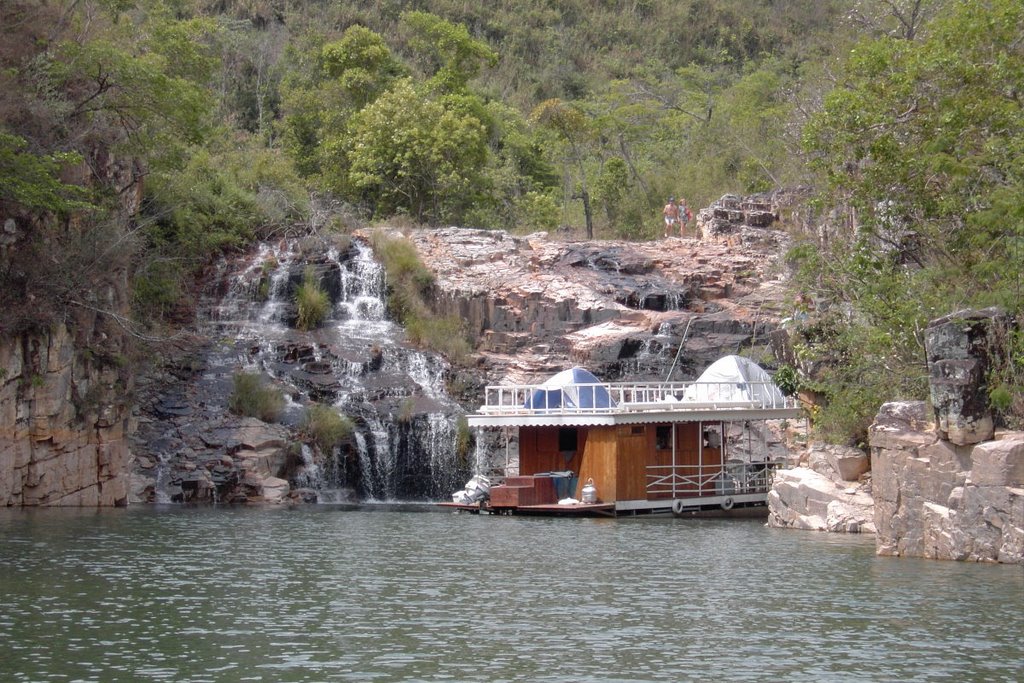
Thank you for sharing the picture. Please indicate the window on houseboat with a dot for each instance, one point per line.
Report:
(567, 440)
(663, 437)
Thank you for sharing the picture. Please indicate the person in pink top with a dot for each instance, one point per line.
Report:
(684, 215)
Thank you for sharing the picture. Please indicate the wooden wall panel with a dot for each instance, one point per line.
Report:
(636, 443)
(581, 446)
(599, 463)
(538, 450)
(688, 454)
(547, 440)
(527, 450)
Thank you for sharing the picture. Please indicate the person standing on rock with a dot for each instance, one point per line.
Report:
(684, 215)
(671, 214)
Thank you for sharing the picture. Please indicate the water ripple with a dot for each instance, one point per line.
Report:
(321, 594)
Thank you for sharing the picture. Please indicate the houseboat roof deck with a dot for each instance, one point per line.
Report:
(608, 403)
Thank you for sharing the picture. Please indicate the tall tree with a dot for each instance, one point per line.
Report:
(446, 51)
(413, 154)
(921, 146)
(571, 128)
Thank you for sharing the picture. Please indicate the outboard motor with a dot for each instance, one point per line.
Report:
(477, 489)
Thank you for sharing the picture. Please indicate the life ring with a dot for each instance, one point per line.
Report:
(728, 503)
(677, 507)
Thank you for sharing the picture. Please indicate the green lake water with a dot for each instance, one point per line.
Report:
(377, 594)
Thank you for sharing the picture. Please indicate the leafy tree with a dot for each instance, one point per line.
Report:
(248, 83)
(446, 51)
(135, 95)
(413, 154)
(611, 187)
(894, 18)
(517, 178)
(330, 81)
(921, 146)
(362, 65)
(32, 181)
(572, 129)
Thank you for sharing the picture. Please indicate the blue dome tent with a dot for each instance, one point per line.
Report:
(570, 389)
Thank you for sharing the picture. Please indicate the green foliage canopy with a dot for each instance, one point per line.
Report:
(414, 154)
(921, 148)
(446, 50)
(32, 180)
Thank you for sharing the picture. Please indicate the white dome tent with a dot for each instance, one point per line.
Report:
(735, 379)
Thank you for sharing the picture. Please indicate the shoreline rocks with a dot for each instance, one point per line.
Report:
(829, 491)
(941, 500)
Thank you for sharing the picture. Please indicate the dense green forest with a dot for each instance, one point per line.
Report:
(139, 138)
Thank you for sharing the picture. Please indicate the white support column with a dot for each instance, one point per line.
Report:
(700, 458)
(675, 426)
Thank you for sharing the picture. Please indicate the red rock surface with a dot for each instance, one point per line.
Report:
(538, 304)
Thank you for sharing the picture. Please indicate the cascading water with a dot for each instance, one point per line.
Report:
(404, 446)
(649, 354)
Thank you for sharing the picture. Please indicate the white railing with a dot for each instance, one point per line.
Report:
(710, 480)
(624, 397)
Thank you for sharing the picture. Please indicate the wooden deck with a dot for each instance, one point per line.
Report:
(575, 510)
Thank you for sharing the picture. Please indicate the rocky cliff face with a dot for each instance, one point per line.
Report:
(66, 393)
(937, 499)
(537, 304)
(64, 422)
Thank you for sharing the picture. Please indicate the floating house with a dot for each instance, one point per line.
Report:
(597, 448)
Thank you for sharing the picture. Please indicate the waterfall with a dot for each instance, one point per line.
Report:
(649, 354)
(404, 445)
(161, 495)
(310, 475)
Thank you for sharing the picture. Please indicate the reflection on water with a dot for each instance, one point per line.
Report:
(329, 594)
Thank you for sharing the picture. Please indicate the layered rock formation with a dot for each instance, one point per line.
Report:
(66, 385)
(64, 422)
(830, 490)
(537, 305)
(938, 499)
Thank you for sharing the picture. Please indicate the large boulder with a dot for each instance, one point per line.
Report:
(838, 463)
(958, 362)
(804, 499)
(998, 463)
